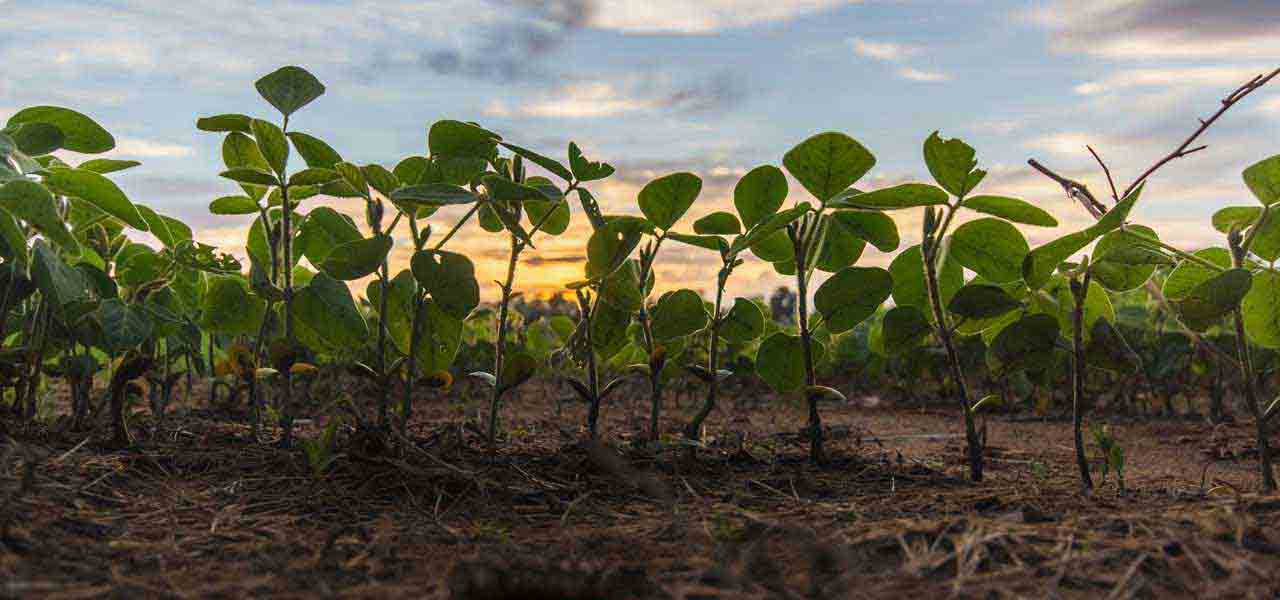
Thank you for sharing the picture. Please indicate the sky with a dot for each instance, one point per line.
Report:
(715, 87)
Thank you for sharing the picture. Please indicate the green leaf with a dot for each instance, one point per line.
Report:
(1208, 302)
(1189, 275)
(991, 248)
(555, 224)
(32, 202)
(1240, 217)
(1011, 209)
(768, 227)
(13, 239)
(909, 288)
(519, 367)
(1262, 310)
(35, 139)
(103, 166)
(664, 200)
(312, 176)
(709, 242)
(775, 248)
(439, 336)
(907, 195)
(743, 323)
(168, 230)
(852, 295)
(1263, 179)
(61, 284)
(1026, 344)
(718, 223)
(904, 328)
(611, 245)
(273, 144)
(325, 317)
(1040, 263)
(505, 190)
(455, 139)
(678, 314)
(314, 151)
(1266, 244)
(622, 287)
(450, 278)
(1115, 254)
(289, 89)
(97, 190)
(550, 164)
(828, 163)
(80, 133)
(433, 194)
(356, 259)
(123, 326)
(229, 308)
(225, 123)
(1115, 218)
(840, 248)
(1059, 302)
(874, 227)
(324, 230)
(759, 194)
(586, 170)
(982, 301)
(380, 179)
(1106, 349)
(609, 329)
(951, 162)
(780, 361)
(416, 170)
(250, 176)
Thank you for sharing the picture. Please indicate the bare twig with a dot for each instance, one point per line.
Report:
(1110, 181)
(1086, 198)
(1182, 150)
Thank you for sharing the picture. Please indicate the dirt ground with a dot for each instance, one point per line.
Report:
(197, 510)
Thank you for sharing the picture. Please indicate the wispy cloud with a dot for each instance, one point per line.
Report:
(913, 74)
(880, 50)
(703, 16)
(896, 52)
(1164, 29)
(636, 93)
(1170, 77)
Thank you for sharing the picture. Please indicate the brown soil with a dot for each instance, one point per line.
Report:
(197, 510)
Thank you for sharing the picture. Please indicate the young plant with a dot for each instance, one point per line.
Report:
(826, 165)
(928, 277)
(508, 193)
(758, 226)
(256, 153)
(663, 202)
(602, 326)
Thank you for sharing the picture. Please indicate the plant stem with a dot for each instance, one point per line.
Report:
(1079, 293)
(693, 431)
(500, 350)
(801, 238)
(593, 377)
(286, 244)
(1249, 381)
(929, 251)
(646, 326)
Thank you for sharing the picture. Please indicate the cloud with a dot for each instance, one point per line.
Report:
(636, 93)
(887, 51)
(1171, 77)
(893, 52)
(703, 16)
(1164, 29)
(914, 74)
(141, 148)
